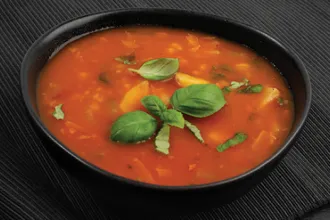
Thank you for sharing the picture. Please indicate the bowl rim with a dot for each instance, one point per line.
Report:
(67, 25)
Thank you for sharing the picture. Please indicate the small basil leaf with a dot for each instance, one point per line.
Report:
(236, 85)
(198, 100)
(173, 118)
(194, 130)
(237, 139)
(158, 69)
(154, 105)
(133, 127)
(58, 113)
(252, 89)
(127, 59)
(162, 143)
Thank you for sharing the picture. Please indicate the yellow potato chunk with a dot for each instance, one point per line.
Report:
(185, 80)
(269, 95)
(132, 99)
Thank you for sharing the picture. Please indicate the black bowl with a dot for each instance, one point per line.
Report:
(121, 191)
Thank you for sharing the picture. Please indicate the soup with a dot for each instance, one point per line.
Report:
(165, 106)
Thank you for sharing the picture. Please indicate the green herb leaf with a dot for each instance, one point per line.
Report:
(237, 139)
(133, 127)
(158, 69)
(226, 89)
(127, 59)
(236, 85)
(58, 113)
(103, 78)
(162, 140)
(173, 117)
(154, 105)
(198, 100)
(252, 89)
(194, 130)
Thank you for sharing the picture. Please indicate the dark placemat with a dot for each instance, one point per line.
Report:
(33, 186)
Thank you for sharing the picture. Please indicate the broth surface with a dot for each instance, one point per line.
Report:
(73, 77)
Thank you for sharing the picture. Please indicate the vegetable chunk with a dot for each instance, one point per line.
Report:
(185, 80)
(269, 95)
(131, 100)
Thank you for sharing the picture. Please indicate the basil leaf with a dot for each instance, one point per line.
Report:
(199, 100)
(154, 105)
(173, 117)
(194, 130)
(158, 69)
(252, 89)
(127, 59)
(236, 85)
(133, 127)
(58, 113)
(162, 143)
(237, 139)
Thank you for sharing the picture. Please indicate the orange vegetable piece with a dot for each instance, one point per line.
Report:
(162, 172)
(141, 170)
(185, 80)
(264, 139)
(131, 100)
(269, 95)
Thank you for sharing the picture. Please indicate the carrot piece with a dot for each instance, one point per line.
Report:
(162, 172)
(185, 80)
(269, 95)
(264, 138)
(142, 171)
(192, 166)
(73, 125)
(132, 98)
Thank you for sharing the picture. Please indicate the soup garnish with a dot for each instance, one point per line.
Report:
(165, 106)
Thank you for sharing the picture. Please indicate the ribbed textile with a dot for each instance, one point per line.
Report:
(33, 186)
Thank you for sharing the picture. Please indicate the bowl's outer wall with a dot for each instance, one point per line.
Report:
(40, 52)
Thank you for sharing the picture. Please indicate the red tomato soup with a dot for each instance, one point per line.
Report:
(242, 105)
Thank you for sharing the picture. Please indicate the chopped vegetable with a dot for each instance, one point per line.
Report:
(162, 143)
(237, 139)
(58, 113)
(127, 59)
(103, 77)
(251, 89)
(173, 118)
(194, 130)
(236, 85)
(133, 127)
(132, 98)
(162, 172)
(269, 94)
(264, 138)
(154, 105)
(158, 69)
(141, 170)
(280, 101)
(185, 80)
(198, 100)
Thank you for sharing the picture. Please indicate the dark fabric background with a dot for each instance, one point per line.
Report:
(33, 186)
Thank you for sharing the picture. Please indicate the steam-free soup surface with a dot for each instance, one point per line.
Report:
(95, 89)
